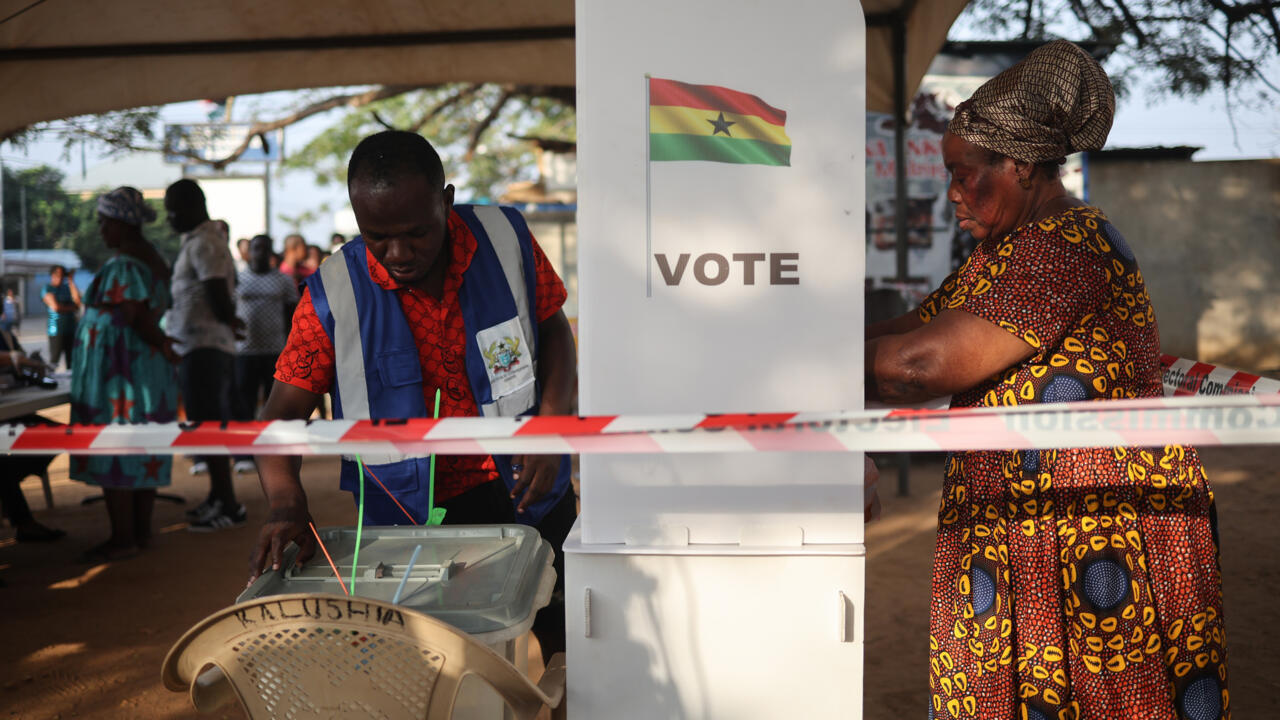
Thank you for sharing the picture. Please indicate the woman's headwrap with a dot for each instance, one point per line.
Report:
(1056, 101)
(126, 205)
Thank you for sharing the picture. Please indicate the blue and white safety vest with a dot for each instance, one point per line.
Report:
(377, 373)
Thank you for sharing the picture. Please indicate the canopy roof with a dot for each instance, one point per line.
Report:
(67, 57)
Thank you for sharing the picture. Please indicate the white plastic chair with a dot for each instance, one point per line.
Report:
(332, 656)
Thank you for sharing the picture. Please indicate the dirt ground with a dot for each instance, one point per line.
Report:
(87, 641)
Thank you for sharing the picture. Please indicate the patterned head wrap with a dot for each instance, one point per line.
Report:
(1055, 102)
(126, 205)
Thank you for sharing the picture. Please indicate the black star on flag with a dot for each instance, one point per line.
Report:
(720, 125)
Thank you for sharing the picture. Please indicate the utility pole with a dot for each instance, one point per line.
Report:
(22, 202)
(266, 195)
(266, 183)
(1, 217)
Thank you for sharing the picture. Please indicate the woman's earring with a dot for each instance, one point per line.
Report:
(1025, 182)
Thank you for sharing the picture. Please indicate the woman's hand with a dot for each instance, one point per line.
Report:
(953, 352)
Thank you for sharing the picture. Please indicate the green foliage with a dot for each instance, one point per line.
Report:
(50, 213)
(459, 111)
(1193, 46)
(295, 222)
(117, 132)
(57, 219)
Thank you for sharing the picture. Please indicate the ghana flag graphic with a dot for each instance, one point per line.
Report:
(715, 124)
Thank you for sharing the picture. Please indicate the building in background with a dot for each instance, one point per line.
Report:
(550, 205)
(1207, 235)
(146, 171)
(27, 271)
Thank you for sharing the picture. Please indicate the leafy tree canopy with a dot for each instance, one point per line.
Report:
(473, 126)
(1193, 47)
(57, 219)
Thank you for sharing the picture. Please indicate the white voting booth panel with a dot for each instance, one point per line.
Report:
(723, 498)
(714, 636)
(765, 311)
(728, 585)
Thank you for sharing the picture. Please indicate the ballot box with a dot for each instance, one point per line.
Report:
(486, 580)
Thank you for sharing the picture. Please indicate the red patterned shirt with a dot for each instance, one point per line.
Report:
(308, 359)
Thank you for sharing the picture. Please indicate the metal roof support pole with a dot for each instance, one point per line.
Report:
(900, 188)
(900, 143)
(2, 270)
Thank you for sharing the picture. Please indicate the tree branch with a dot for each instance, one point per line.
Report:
(1256, 22)
(443, 105)
(478, 130)
(1132, 22)
(1226, 72)
(1082, 13)
(125, 145)
(1270, 17)
(352, 100)
(1266, 9)
(1234, 13)
(1226, 87)
(378, 118)
(1252, 71)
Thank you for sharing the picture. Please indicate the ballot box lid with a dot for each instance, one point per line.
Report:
(482, 579)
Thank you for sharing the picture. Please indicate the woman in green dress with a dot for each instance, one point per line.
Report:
(122, 370)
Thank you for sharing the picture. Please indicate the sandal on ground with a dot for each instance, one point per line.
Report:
(39, 533)
(106, 552)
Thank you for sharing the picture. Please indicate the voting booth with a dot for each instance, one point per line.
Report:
(721, 215)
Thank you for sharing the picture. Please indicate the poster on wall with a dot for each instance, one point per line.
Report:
(930, 219)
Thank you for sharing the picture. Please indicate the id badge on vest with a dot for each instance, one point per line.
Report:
(508, 360)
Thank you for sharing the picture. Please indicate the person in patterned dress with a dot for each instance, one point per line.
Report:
(122, 370)
(1067, 584)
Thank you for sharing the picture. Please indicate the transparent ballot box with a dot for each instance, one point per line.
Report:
(486, 580)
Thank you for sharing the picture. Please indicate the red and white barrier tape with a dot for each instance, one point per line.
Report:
(1191, 377)
(1204, 421)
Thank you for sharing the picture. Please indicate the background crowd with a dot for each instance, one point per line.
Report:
(152, 342)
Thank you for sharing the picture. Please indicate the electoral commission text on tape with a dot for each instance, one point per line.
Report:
(1195, 420)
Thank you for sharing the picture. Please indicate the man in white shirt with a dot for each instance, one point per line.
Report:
(204, 324)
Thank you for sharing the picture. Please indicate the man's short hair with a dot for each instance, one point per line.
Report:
(393, 155)
(56, 268)
(186, 191)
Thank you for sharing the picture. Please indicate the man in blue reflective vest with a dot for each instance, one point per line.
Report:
(431, 297)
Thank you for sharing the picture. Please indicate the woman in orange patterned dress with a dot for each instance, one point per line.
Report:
(1067, 584)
